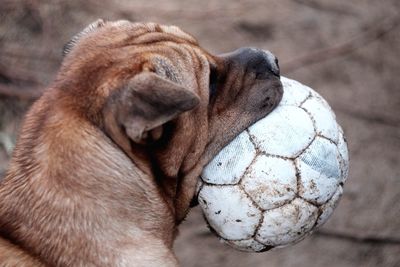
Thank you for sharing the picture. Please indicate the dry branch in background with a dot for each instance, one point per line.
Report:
(326, 7)
(371, 34)
(26, 93)
(17, 76)
(359, 239)
(18, 83)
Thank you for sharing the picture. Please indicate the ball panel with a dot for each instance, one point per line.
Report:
(294, 92)
(231, 162)
(287, 224)
(323, 117)
(287, 125)
(328, 207)
(229, 211)
(323, 101)
(249, 245)
(342, 146)
(320, 171)
(270, 181)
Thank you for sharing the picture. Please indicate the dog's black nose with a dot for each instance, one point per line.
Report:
(260, 61)
(273, 63)
(257, 60)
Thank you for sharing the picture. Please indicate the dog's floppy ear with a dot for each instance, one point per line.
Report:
(139, 109)
(91, 27)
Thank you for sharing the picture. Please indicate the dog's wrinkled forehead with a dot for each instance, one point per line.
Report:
(90, 28)
(134, 29)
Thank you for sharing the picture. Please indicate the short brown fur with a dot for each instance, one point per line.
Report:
(107, 159)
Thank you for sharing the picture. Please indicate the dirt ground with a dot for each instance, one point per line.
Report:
(360, 79)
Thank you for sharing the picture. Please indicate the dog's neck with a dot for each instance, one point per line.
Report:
(104, 210)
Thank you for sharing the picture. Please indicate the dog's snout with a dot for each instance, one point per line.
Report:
(254, 59)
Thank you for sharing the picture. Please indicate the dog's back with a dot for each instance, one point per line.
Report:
(12, 196)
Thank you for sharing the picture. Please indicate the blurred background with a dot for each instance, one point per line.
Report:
(349, 51)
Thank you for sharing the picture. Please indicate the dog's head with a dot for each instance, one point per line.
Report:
(165, 101)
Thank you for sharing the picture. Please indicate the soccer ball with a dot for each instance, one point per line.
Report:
(280, 179)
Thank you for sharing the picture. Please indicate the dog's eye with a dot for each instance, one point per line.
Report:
(213, 81)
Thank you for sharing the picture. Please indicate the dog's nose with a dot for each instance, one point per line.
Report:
(272, 62)
(257, 60)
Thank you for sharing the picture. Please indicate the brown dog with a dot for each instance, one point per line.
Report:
(107, 160)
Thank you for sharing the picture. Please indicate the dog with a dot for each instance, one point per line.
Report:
(106, 163)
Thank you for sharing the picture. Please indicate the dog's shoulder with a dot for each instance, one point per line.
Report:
(10, 255)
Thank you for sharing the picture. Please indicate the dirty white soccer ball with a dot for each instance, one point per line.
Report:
(279, 180)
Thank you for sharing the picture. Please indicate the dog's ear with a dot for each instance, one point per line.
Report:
(91, 27)
(139, 109)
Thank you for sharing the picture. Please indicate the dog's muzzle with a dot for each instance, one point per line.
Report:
(257, 60)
